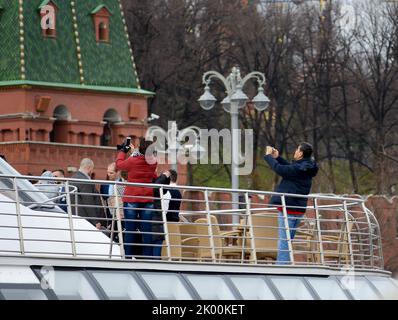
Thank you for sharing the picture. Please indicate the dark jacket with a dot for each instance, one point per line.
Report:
(88, 196)
(296, 178)
(174, 205)
(157, 216)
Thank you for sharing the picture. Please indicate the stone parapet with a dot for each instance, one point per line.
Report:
(32, 157)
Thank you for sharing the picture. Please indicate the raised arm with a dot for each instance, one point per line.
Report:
(284, 170)
(122, 162)
(282, 161)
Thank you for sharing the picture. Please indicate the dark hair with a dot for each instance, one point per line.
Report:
(60, 170)
(144, 145)
(306, 148)
(133, 139)
(173, 175)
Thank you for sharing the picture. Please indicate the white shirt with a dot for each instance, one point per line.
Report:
(166, 200)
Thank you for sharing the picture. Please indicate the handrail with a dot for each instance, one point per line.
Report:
(52, 199)
(191, 188)
(335, 231)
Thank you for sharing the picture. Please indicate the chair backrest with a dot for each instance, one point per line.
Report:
(202, 228)
(342, 245)
(188, 230)
(265, 233)
(175, 241)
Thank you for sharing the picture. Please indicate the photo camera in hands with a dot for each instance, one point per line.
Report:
(125, 146)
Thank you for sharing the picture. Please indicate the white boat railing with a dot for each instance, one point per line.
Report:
(335, 231)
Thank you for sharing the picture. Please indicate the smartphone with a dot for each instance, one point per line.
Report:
(128, 141)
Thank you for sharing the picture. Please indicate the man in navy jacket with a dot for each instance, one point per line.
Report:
(296, 179)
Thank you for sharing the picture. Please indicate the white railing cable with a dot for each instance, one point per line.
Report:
(210, 226)
(19, 219)
(348, 233)
(287, 229)
(249, 220)
(319, 232)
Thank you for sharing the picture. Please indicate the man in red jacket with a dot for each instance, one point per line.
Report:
(138, 201)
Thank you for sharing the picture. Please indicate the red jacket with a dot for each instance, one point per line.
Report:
(139, 171)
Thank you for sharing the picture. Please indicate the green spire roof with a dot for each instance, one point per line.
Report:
(74, 59)
(46, 2)
(98, 8)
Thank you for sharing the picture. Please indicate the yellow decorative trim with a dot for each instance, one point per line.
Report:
(22, 40)
(129, 44)
(77, 40)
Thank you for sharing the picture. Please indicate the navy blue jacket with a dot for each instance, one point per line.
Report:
(296, 178)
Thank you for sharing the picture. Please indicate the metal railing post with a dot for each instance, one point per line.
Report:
(380, 248)
(348, 233)
(112, 211)
(370, 234)
(69, 209)
(287, 229)
(19, 219)
(165, 226)
(76, 202)
(318, 227)
(210, 227)
(119, 224)
(251, 230)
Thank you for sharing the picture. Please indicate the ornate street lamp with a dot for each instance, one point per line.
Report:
(235, 100)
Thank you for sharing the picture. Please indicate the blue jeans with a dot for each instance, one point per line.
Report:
(283, 248)
(157, 250)
(144, 213)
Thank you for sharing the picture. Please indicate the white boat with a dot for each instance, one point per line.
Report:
(47, 253)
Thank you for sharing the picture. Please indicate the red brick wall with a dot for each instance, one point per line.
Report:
(386, 211)
(87, 111)
(28, 157)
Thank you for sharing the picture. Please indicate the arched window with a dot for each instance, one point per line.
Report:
(80, 137)
(60, 129)
(111, 116)
(103, 32)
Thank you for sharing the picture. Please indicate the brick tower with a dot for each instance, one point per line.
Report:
(69, 92)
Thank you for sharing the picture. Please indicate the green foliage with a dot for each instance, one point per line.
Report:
(217, 176)
(262, 178)
(210, 175)
(343, 180)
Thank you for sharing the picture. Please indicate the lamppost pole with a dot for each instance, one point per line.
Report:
(235, 100)
(173, 148)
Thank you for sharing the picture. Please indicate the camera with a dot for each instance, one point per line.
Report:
(125, 146)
